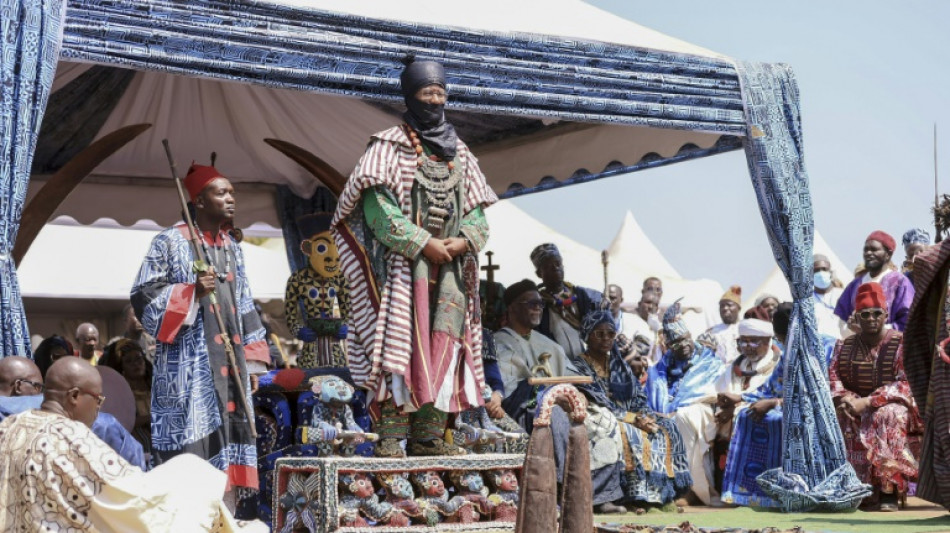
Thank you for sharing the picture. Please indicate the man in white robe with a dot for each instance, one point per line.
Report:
(722, 337)
(58, 476)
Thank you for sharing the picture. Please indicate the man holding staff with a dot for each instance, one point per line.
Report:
(197, 406)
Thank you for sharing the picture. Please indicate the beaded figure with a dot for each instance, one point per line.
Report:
(316, 303)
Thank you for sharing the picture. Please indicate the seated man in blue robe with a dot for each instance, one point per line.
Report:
(683, 384)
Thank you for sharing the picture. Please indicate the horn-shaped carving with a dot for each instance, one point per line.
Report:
(320, 169)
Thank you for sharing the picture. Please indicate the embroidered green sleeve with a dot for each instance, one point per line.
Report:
(390, 226)
(474, 227)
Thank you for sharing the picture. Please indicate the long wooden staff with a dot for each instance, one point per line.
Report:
(201, 265)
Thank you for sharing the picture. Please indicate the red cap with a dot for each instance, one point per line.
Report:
(199, 176)
(870, 295)
(884, 239)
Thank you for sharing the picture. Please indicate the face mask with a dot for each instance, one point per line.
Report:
(822, 279)
(654, 322)
(428, 115)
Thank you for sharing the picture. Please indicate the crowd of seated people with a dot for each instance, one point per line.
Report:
(675, 417)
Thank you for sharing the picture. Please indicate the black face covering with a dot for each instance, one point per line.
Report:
(428, 120)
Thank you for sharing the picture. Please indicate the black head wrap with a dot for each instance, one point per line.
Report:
(517, 289)
(428, 120)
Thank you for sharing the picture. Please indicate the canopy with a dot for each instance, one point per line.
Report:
(539, 111)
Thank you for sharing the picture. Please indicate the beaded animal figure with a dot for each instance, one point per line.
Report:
(316, 302)
(471, 486)
(358, 501)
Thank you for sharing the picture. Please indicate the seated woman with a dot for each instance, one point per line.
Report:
(645, 450)
(875, 408)
(52, 348)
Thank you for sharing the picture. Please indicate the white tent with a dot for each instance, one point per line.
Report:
(776, 284)
(633, 257)
(88, 262)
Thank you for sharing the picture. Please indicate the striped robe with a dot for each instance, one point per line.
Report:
(380, 281)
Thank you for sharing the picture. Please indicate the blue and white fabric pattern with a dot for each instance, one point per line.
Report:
(32, 30)
(815, 473)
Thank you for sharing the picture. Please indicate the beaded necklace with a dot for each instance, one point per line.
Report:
(438, 180)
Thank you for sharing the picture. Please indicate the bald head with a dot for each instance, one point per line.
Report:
(87, 337)
(13, 369)
(74, 385)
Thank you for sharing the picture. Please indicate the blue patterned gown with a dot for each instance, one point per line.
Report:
(654, 465)
(683, 389)
(755, 446)
(195, 404)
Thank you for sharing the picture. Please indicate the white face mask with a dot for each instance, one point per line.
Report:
(822, 279)
(654, 322)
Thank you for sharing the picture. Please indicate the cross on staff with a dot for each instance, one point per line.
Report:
(490, 275)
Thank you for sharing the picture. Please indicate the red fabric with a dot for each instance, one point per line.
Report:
(179, 303)
(199, 176)
(257, 351)
(882, 238)
(290, 378)
(242, 476)
(870, 295)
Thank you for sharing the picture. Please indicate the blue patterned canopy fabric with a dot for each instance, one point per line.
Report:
(815, 473)
(520, 80)
(30, 49)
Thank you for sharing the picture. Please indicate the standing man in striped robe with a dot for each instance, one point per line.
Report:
(409, 226)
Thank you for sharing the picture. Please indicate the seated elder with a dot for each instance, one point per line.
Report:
(628, 439)
(60, 477)
(21, 389)
(756, 443)
(873, 401)
(522, 351)
(758, 357)
(683, 385)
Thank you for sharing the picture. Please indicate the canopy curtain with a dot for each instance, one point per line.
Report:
(495, 73)
(815, 473)
(32, 32)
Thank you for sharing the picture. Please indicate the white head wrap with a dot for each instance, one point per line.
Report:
(753, 327)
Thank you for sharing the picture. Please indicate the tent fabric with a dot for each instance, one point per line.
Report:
(29, 47)
(640, 106)
(815, 473)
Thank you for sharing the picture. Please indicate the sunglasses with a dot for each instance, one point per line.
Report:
(100, 399)
(745, 343)
(533, 304)
(604, 335)
(681, 344)
(868, 313)
(36, 385)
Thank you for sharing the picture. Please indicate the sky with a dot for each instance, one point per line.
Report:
(873, 78)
